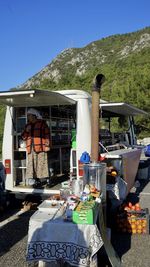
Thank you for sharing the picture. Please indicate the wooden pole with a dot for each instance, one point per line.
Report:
(95, 122)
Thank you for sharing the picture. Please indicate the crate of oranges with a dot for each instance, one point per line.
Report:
(132, 220)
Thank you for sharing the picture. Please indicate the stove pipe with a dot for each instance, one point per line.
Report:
(95, 121)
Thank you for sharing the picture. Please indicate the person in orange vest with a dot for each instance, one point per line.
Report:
(38, 143)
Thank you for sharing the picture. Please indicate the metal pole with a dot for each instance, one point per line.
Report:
(95, 123)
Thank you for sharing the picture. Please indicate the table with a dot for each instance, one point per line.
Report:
(50, 239)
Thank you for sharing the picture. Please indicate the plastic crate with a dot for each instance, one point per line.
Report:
(134, 222)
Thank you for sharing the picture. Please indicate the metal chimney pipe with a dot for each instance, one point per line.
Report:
(95, 122)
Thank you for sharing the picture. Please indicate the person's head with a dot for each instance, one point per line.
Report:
(33, 115)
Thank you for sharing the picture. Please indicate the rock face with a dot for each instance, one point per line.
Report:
(98, 53)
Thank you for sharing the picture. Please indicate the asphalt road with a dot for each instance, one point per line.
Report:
(13, 239)
(134, 250)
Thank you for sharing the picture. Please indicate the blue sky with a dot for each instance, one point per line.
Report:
(34, 32)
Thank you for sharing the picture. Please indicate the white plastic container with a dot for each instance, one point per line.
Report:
(77, 187)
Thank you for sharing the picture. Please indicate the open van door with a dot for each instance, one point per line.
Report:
(124, 113)
(122, 150)
(58, 110)
(33, 97)
(120, 108)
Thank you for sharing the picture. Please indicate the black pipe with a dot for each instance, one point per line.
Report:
(97, 82)
(95, 123)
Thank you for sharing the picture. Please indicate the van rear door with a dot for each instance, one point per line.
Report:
(120, 109)
(14, 156)
(35, 97)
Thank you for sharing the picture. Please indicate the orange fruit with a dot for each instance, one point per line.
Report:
(138, 222)
(139, 227)
(133, 226)
(114, 173)
(133, 231)
(144, 222)
(133, 218)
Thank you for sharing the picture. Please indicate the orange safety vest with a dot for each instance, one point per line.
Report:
(37, 136)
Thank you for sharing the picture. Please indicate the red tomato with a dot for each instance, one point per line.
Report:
(137, 209)
(137, 206)
(133, 207)
(130, 205)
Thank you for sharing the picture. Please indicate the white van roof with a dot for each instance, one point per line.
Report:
(34, 97)
(75, 93)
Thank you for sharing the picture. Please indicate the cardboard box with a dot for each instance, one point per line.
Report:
(85, 212)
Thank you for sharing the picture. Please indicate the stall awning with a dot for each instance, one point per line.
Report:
(35, 97)
(123, 109)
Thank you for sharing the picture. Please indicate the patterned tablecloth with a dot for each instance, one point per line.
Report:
(52, 239)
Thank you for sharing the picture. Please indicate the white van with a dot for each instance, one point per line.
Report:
(68, 114)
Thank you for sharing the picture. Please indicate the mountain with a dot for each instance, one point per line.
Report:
(77, 62)
(124, 59)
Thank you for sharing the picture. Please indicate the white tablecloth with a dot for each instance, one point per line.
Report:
(53, 239)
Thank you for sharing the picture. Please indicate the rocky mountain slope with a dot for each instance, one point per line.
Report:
(124, 59)
(78, 62)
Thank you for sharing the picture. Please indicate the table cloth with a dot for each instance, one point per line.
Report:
(51, 238)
